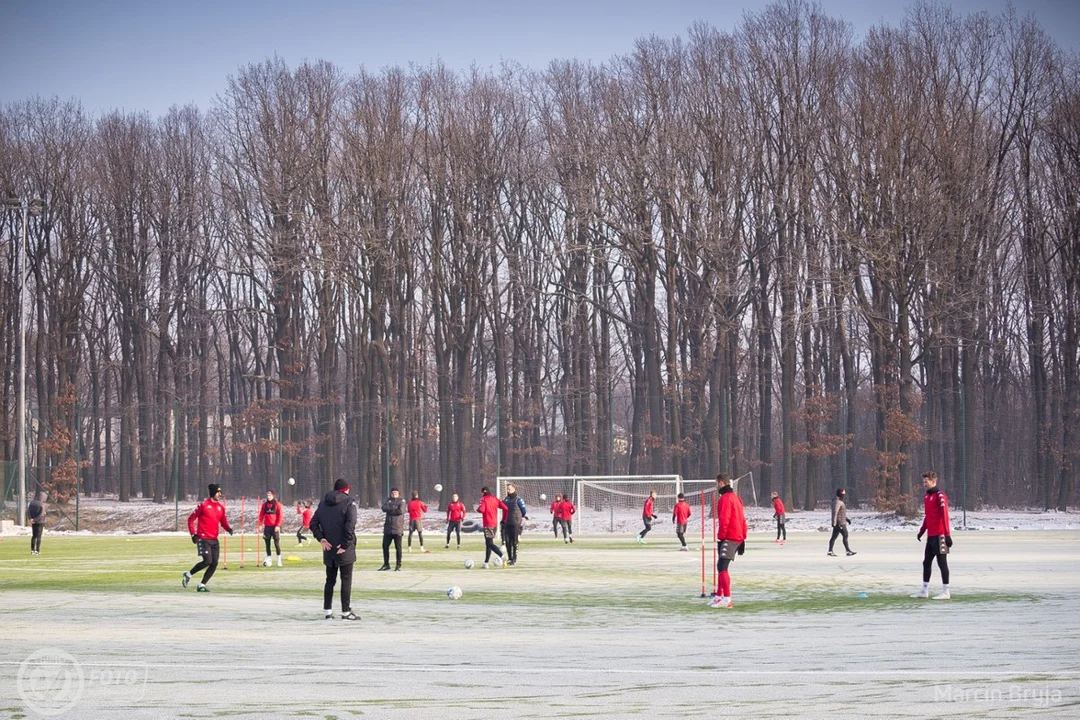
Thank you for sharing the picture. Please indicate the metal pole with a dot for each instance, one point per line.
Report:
(22, 365)
(176, 463)
(281, 448)
(963, 448)
(78, 466)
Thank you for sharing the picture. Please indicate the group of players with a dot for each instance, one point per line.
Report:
(333, 524)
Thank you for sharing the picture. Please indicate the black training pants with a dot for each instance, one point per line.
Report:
(838, 530)
(648, 526)
(346, 586)
(386, 540)
(781, 528)
(36, 530)
(933, 549)
(414, 526)
(513, 532)
(208, 549)
(489, 544)
(272, 533)
(451, 527)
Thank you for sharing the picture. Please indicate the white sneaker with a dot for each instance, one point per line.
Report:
(279, 561)
(266, 561)
(484, 566)
(921, 594)
(684, 549)
(943, 596)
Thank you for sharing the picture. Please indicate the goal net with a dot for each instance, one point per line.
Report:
(744, 485)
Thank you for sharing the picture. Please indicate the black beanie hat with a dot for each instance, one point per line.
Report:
(839, 492)
(341, 484)
(214, 489)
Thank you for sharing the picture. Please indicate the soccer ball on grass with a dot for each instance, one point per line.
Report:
(453, 593)
(468, 564)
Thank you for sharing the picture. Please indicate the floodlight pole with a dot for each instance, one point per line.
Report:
(22, 365)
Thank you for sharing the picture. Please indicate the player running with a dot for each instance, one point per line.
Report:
(731, 534)
(568, 511)
(680, 517)
(271, 515)
(455, 514)
(305, 520)
(417, 508)
(936, 524)
(647, 516)
(778, 513)
(203, 524)
(489, 519)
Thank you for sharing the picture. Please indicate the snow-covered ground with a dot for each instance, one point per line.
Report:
(107, 515)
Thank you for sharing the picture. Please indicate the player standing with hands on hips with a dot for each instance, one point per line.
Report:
(35, 513)
(203, 524)
(731, 534)
(334, 526)
(939, 530)
(271, 515)
(648, 514)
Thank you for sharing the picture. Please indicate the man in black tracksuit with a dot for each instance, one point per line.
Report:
(515, 514)
(35, 513)
(334, 525)
(393, 527)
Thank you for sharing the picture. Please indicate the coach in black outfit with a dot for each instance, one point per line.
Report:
(334, 525)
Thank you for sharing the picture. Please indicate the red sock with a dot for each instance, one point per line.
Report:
(725, 584)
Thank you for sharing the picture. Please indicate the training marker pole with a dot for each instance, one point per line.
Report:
(702, 543)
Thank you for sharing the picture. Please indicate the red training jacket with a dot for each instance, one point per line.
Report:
(417, 508)
(778, 505)
(556, 509)
(647, 511)
(271, 514)
(489, 510)
(732, 518)
(305, 513)
(936, 522)
(681, 513)
(455, 511)
(209, 514)
(568, 509)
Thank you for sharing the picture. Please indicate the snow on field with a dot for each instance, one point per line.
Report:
(107, 515)
(603, 628)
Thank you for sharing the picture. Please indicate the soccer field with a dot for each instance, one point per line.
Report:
(99, 627)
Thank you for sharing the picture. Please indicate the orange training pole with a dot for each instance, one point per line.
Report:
(702, 543)
(241, 531)
(715, 523)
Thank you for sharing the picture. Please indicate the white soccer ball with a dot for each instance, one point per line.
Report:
(266, 562)
(543, 496)
(292, 481)
(498, 561)
(438, 488)
(453, 593)
(468, 564)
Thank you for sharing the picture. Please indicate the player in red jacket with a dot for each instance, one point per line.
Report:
(455, 514)
(731, 534)
(271, 515)
(568, 511)
(489, 519)
(939, 536)
(305, 520)
(417, 508)
(648, 514)
(680, 517)
(556, 514)
(778, 513)
(203, 524)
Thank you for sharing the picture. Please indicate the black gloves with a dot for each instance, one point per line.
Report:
(948, 541)
(741, 549)
(230, 531)
(655, 517)
(919, 536)
(195, 539)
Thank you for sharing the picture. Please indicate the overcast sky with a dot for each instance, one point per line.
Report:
(149, 55)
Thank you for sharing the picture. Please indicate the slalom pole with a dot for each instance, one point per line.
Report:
(225, 553)
(702, 543)
(715, 523)
(241, 531)
(258, 549)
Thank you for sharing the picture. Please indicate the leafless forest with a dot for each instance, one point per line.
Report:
(781, 248)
